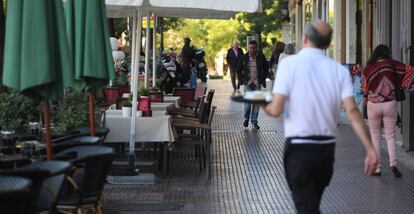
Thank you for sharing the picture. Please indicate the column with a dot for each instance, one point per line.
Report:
(351, 45)
(298, 26)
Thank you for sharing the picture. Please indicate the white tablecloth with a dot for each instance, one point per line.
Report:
(155, 106)
(148, 129)
(173, 99)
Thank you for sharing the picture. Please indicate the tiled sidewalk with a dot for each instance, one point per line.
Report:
(248, 174)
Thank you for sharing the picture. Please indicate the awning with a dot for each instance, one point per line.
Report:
(223, 9)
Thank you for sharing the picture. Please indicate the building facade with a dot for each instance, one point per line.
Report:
(359, 26)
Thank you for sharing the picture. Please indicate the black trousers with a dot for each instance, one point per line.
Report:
(233, 76)
(309, 169)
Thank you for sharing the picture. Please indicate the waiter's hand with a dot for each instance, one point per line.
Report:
(371, 162)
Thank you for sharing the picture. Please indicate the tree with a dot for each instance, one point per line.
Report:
(213, 35)
(267, 24)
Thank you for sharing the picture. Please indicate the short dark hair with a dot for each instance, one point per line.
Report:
(319, 40)
(252, 42)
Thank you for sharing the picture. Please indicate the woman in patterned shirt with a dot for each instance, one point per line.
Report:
(381, 77)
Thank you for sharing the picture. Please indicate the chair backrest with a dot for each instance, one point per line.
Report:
(95, 162)
(52, 186)
(15, 196)
(100, 132)
(110, 94)
(210, 96)
(198, 104)
(203, 112)
(199, 91)
(210, 117)
(186, 94)
(36, 176)
(91, 140)
(157, 97)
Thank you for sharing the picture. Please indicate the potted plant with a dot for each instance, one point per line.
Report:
(155, 89)
(143, 92)
(144, 104)
(126, 107)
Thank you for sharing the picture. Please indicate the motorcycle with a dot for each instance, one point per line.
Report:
(200, 65)
(167, 74)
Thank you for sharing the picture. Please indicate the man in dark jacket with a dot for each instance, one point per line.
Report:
(187, 54)
(234, 55)
(253, 70)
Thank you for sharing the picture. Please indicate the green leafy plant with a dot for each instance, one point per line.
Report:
(143, 91)
(16, 111)
(155, 89)
(128, 102)
(157, 83)
(72, 112)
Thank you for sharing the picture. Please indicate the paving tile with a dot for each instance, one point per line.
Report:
(248, 174)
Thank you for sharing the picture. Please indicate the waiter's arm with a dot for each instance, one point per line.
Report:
(275, 108)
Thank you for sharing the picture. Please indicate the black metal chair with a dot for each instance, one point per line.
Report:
(36, 176)
(73, 142)
(15, 195)
(92, 164)
(52, 185)
(100, 132)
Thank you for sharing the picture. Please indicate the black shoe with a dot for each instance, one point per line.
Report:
(377, 174)
(246, 123)
(256, 126)
(396, 172)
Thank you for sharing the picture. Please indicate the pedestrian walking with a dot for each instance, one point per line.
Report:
(382, 78)
(234, 55)
(309, 89)
(278, 48)
(254, 71)
(187, 54)
(289, 50)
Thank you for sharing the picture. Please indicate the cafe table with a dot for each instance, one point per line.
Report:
(155, 129)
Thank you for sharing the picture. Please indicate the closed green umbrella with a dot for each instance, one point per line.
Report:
(37, 60)
(2, 23)
(88, 36)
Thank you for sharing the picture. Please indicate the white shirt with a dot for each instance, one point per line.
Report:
(314, 86)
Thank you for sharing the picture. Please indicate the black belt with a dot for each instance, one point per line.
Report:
(312, 137)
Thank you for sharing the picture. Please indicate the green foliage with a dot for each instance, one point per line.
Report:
(16, 111)
(171, 23)
(157, 83)
(213, 35)
(127, 102)
(155, 88)
(143, 91)
(266, 24)
(121, 26)
(73, 111)
(5, 6)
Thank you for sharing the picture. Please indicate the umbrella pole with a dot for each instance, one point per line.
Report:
(48, 135)
(91, 114)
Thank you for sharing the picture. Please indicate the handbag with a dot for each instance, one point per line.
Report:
(399, 94)
(399, 91)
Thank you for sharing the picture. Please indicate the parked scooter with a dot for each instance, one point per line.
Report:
(168, 73)
(200, 64)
